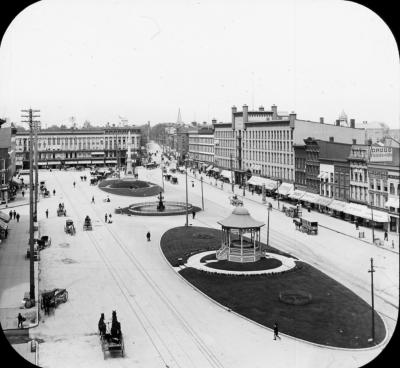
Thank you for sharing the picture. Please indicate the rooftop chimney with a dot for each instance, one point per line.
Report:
(214, 121)
(261, 108)
(292, 118)
(245, 113)
(234, 110)
(274, 110)
(352, 123)
(337, 122)
(321, 120)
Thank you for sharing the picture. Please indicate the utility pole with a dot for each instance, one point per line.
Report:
(30, 115)
(233, 185)
(37, 126)
(202, 197)
(244, 185)
(373, 224)
(187, 220)
(269, 209)
(371, 271)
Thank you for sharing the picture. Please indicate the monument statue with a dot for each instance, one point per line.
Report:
(129, 168)
(160, 206)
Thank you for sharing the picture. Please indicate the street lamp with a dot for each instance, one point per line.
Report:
(371, 271)
(269, 209)
(373, 224)
(186, 176)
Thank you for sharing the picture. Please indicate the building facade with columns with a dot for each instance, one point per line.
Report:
(262, 142)
(71, 147)
(358, 161)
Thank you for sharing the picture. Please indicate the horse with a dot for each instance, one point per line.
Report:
(115, 326)
(102, 325)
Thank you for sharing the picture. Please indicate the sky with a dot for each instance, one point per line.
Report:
(103, 60)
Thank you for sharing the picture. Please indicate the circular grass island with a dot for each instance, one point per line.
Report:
(306, 303)
(130, 187)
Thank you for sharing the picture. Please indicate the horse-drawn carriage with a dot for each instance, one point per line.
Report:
(235, 201)
(87, 224)
(46, 193)
(306, 226)
(94, 181)
(111, 338)
(174, 180)
(69, 227)
(51, 298)
(61, 210)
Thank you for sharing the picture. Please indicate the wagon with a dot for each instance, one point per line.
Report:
(306, 226)
(51, 298)
(87, 224)
(174, 180)
(235, 201)
(94, 181)
(69, 227)
(112, 345)
(46, 193)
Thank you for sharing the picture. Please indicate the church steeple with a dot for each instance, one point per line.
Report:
(179, 119)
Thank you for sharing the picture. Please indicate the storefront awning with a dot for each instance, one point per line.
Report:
(297, 194)
(310, 197)
(71, 162)
(54, 163)
(323, 175)
(4, 217)
(85, 162)
(209, 168)
(215, 169)
(379, 216)
(97, 153)
(227, 174)
(42, 163)
(111, 161)
(259, 181)
(3, 225)
(358, 210)
(97, 161)
(392, 202)
(324, 201)
(337, 205)
(286, 189)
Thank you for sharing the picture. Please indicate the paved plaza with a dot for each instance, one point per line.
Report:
(164, 320)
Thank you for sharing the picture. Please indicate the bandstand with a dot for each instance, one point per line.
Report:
(240, 238)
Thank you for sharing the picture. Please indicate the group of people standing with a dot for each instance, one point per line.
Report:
(14, 215)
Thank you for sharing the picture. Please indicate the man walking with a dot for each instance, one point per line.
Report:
(17, 217)
(14, 214)
(148, 236)
(109, 218)
(54, 192)
(47, 213)
(11, 214)
(276, 331)
(20, 321)
(74, 185)
(23, 193)
(193, 214)
(105, 218)
(386, 236)
(93, 199)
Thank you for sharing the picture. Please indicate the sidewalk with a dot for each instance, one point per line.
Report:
(18, 201)
(14, 276)
(324, 220)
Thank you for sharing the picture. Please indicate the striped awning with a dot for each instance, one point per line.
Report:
(3, 225)
(297, 194)
(286, 189)
(324, 201)
(4, 217)
(337, 205)
(310, 197)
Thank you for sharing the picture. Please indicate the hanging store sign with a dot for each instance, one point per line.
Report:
(381, 154)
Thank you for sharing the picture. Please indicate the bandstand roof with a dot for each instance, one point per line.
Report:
(240, 219)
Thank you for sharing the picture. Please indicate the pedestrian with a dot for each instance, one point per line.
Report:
(74, 184)
(47, 213)
(193, 214)
(23, 193)
(356, 225)
(386, 236)
(392, 243)
(20, 321)
(276, 332)
(11, 214)
(252, 192)
(105, 218)
(54, 192)
(5, 233)
(192, 184)
(17, 217)
(93, 199)
(14, 214)
(148, 236)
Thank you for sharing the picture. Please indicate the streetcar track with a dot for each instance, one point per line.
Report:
(207, 353)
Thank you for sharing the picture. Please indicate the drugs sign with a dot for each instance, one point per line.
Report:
(381, 154)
